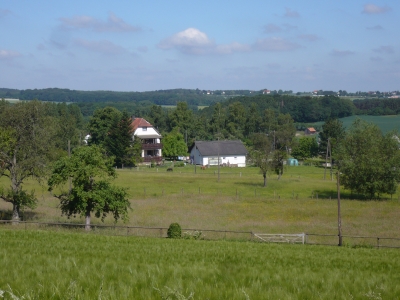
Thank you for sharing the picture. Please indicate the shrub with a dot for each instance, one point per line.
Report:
(174, 231)
(179, 164)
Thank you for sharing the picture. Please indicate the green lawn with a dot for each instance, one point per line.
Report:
(65, 265)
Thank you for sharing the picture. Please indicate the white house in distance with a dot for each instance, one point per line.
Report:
(151, 139)
(231, 153)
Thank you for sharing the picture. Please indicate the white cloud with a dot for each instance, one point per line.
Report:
(384, 49)
(6, 54)
(189, 41)
(291, 13)
(113, 24)
(372, 9)
(275, 45)
(105, 47)
(342, 53)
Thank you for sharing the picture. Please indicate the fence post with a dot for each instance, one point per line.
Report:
(378, 241)
(145, 192)
(160, 232)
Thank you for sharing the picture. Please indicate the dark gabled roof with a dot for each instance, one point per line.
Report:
(221, 147)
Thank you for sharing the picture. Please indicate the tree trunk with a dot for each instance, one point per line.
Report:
(265, 179)
(15, 215)
(87, 219)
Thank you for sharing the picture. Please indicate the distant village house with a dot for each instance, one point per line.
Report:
(151, 140)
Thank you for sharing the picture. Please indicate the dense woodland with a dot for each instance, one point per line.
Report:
(302, 107)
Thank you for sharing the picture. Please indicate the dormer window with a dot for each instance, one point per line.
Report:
(144, 128)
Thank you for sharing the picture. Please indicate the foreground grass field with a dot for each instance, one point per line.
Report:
(64, 265)
(238, 202)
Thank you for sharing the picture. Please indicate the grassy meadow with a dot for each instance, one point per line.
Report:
(301, 201)
(66, 265)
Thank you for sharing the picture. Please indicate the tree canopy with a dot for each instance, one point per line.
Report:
(369, 161)
(90, 171)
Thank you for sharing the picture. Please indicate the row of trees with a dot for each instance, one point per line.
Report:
(35, 139)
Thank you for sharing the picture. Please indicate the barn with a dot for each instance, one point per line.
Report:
(230, 153)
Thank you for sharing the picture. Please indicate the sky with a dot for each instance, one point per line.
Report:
(138, 45)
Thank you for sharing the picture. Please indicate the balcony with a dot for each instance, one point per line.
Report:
(149, 159)
(152, 146)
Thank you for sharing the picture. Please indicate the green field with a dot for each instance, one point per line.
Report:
(385, 123)
(302, 201)
(65, 265)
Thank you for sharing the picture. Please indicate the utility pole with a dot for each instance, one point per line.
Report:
(218, 159)
(339, 215)
(69, 155)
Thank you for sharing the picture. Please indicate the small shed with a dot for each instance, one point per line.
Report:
(230, 153)
(292, 162)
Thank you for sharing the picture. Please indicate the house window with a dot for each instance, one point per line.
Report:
(144, 128)
(235, 157)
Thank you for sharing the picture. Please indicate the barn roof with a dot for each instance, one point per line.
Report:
(220, 147)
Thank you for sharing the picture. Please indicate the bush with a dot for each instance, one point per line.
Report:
(179, 164)
(174, 231)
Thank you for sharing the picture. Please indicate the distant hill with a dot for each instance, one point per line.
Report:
(161, 97)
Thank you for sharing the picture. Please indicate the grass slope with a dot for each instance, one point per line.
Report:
(62, 265)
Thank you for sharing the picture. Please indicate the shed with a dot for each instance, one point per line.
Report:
(230, 153)
(292, 162)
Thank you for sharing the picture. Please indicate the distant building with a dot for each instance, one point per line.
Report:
(310, 131)
(151, 139)
(230, 153)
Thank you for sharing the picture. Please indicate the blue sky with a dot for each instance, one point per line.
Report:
(152, 45)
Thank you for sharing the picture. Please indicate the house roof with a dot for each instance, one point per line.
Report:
(311, 129)
(140, 122)
(220, 147)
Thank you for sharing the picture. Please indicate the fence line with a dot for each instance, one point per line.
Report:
(211, 234)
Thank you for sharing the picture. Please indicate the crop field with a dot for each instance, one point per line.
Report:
(385, 123)
(67, 265)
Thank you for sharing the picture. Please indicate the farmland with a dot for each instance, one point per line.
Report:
(66, 265)
(302, 201)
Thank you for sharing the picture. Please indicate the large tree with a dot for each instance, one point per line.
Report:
(174, 145)
(118, 139)
(307, 147)
(26, 139)
(369, 161)
(91, 171)
(100, 124)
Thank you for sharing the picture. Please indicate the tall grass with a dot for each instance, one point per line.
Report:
(61, 265)
(301, 201)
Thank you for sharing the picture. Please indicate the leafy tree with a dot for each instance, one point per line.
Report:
(174, 145)
(261, 153)
(135, 151)
(369, 161)
(333, 130)
(181, 117)
(306, 148)
(91, 171)
(100, 124)
(26, 146)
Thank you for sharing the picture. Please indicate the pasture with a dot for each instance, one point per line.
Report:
(301, 201)
(68, 265)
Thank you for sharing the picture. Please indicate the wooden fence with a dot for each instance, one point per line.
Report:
(206, 234)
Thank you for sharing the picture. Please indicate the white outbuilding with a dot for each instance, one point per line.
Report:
(230, 153)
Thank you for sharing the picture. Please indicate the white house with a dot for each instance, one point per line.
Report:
(230, 153)
(151, 139)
